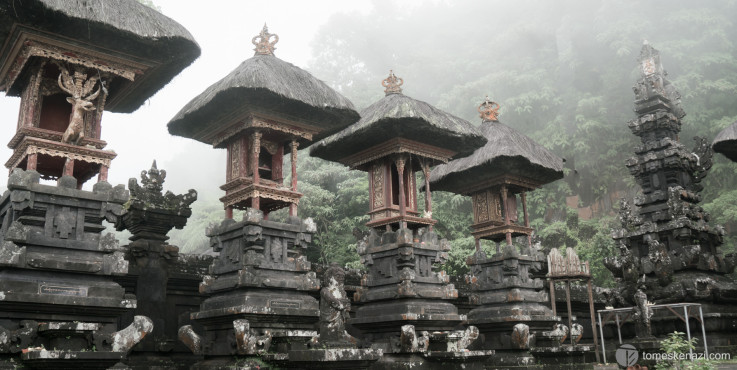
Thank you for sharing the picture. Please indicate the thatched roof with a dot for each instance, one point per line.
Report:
(269, 85)
(726, 142)
(507, 152)
(399, 116)
(125, 26)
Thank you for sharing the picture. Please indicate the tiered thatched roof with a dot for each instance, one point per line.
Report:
(124, 26)
(268, 85)
(399, 116)
(507, 152)
(726, 142)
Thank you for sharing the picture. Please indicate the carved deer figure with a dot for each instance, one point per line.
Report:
(81, 100)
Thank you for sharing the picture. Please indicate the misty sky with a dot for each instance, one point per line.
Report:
(223, 30)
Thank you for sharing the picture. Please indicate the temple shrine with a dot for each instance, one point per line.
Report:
(726, 142)
(261, 288)
(243, 114)
(406, 308)
(61, 305)
(396, 137)
(66, 81)
(498, 177)
(507, 287)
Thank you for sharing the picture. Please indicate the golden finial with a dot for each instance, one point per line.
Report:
(392, 84)
(489, 110)
(263, 45)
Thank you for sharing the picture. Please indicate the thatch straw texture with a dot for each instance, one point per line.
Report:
(399, 116)
(726, 142)
(125, 26)
(507, 152)
(269, 85)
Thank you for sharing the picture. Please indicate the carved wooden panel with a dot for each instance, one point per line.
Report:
(234, 154)
(486, 207)
(377, 181)
(480, 207)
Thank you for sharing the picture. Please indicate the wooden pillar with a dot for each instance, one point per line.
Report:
(68, 167)
(402, 195)
(294, 145)
(102, 176)
(31, 162)
(593, 319)
(527, 217)
(428, 194)
(506, 213)
(229, 212)
(552, 296)
(570, 313)
(255, 150)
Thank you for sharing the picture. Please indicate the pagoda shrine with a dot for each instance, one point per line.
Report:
(261, 288)
(404, 298)
(67, 74)
(245, 113)
(512, 313)
(669, 253)
(68, 62)
(396, 137)
(498, 177)
(726, 142)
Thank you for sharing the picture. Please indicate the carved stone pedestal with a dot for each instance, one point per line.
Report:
(261, 293)
(406, 310)
(513, 315)
(59, 305)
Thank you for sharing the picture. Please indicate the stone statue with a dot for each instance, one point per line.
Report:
(334, 306)
(642, 311)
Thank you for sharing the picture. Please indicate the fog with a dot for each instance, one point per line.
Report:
(561, 70)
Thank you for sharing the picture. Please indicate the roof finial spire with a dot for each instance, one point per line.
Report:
(392, 84)
(263, 45)
(489, 110)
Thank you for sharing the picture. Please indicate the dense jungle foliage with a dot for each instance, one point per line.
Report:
(563, 73)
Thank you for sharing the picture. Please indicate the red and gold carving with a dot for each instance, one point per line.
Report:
(392, 84)
(377, 180)
(480, 207)
(489, 110)
(264, 45)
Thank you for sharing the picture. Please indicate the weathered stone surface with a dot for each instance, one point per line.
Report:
(334, 307)
(667, 235)
(261, 291)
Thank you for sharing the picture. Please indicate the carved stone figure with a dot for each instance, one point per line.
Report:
(642, 312)
(334, 306)
(81, 100)
(521, 336)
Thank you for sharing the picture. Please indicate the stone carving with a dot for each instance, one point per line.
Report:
(559, 332)
(247, 342)
(521, 336)
(576, 332)
(150, 194)
(665, 242)
(190, 339)
(125, 339)
(410, 342)
(81, 100)
(643, 313)
(13, 341)
(334, 306)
